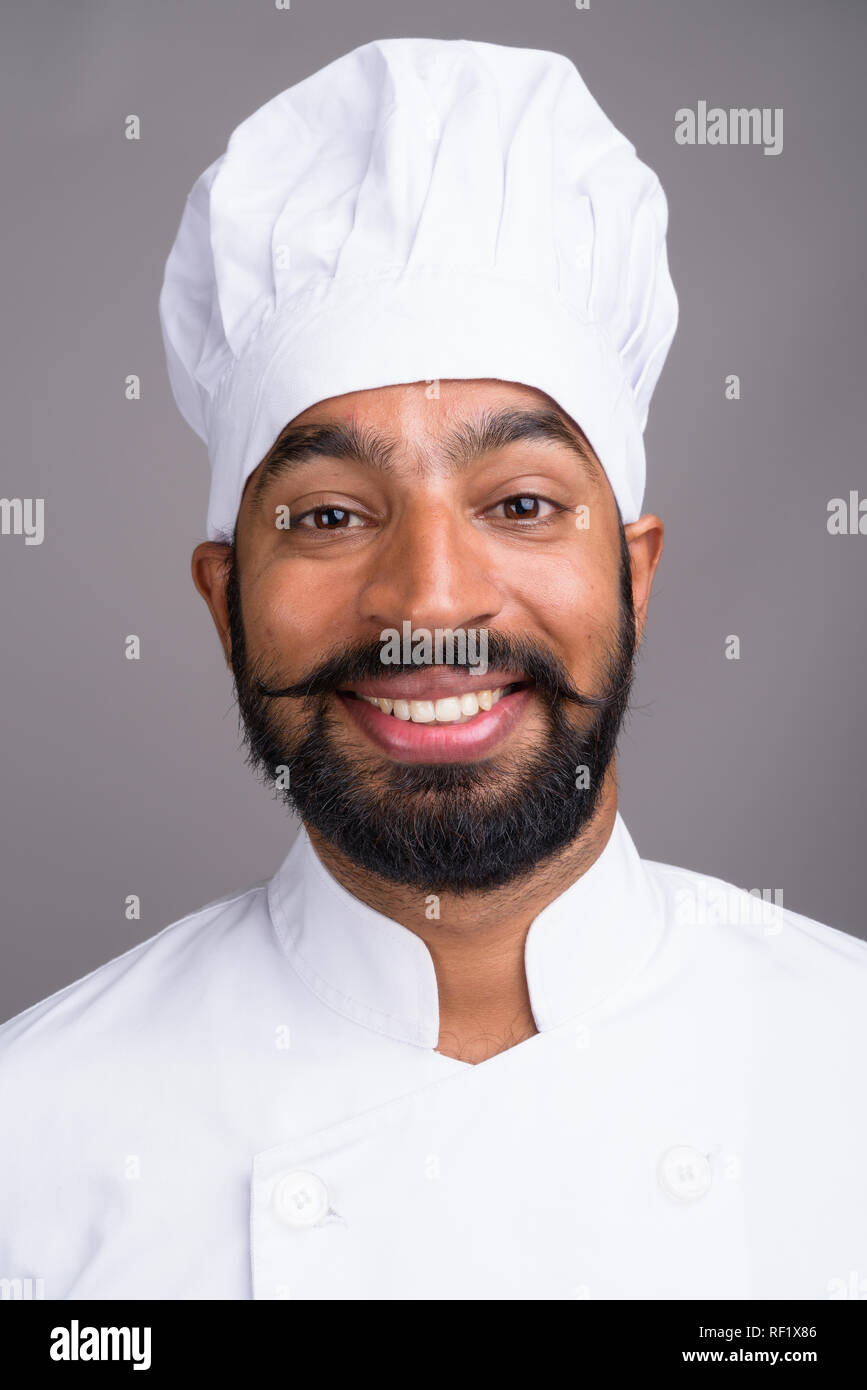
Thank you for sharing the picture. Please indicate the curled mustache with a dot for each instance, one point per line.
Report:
(363, 662)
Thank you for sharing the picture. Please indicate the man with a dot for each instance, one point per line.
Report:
(466, 1043)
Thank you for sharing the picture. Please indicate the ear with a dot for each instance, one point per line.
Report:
(645, 539)
(210, 570)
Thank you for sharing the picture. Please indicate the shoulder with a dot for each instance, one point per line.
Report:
(757, 924)
(153, 979)
(104, 1076)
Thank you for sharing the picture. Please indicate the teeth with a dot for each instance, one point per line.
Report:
(447, 711)
(453, 709)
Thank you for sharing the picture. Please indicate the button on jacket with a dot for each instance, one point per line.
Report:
(251, 1105)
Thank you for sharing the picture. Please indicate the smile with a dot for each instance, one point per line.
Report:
(422, 722)
(453, 709)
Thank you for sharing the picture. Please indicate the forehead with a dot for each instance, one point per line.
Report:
(443, 426)
(427, 407)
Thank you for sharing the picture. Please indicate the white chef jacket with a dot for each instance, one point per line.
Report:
(250, 1104)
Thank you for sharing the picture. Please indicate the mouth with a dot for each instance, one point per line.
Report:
(445, 709)
(437, 718)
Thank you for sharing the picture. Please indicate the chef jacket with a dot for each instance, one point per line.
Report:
(250, 1104)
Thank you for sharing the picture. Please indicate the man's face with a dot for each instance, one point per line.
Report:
(463, 779)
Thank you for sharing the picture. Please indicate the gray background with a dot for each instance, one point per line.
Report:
(125, 777)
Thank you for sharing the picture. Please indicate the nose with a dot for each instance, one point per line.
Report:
(431, 570)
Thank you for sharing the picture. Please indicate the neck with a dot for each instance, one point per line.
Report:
(476, 940)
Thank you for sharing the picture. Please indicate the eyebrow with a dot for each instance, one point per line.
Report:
(462, 446)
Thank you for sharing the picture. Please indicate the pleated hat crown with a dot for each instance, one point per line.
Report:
(420, 209)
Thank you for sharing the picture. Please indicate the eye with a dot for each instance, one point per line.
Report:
(527, 508)
(328, 519)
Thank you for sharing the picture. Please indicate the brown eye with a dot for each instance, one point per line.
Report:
(328, 519)
(527, 509)
(521, 508)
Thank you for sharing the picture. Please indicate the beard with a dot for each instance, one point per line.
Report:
(439, 827)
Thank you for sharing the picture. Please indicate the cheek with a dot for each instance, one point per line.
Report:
(573, 601)
(293, 619)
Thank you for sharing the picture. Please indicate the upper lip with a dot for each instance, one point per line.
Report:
(433, 682)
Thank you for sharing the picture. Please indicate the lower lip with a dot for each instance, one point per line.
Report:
(439, 743)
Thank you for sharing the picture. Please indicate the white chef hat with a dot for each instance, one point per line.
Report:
(420, 209)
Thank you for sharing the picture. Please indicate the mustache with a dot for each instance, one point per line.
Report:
(363, 661)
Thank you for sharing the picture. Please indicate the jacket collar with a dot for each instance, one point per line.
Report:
(580, 949)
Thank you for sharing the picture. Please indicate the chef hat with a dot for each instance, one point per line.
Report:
(420, 209)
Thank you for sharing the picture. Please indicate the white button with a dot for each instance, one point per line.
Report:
(300, 1199)
(684, 1173)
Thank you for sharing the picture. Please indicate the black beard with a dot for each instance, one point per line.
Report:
(440, 827)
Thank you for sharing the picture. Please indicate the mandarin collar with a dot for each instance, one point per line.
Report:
(579, 949)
